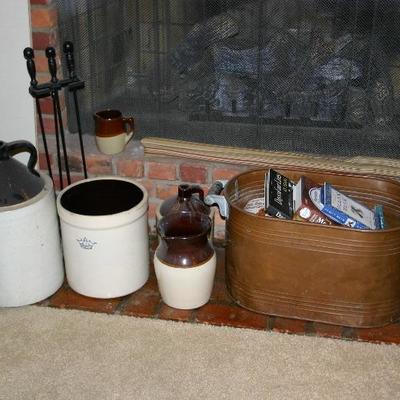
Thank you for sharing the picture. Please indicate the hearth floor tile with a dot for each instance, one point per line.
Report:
(327, 330)
(386, 334)
(220, 293)
(220, 270)
(143, 303)
(220, 310)
(65, 297)
(174, 314)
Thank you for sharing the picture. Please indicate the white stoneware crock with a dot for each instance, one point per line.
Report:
(31, 267)
(105, 236)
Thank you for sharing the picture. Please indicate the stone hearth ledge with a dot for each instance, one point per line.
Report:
(235, 156)
(259, 158)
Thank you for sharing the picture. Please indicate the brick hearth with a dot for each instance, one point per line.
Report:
(221, 310)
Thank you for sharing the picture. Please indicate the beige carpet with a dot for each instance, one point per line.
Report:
(58, 354)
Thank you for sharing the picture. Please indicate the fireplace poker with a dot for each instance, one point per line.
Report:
(75, 85)
(30, 64)
(55, 87)
(57, 134)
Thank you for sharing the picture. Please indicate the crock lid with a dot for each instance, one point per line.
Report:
(18, 182)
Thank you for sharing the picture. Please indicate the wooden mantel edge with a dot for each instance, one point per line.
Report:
(251, 157)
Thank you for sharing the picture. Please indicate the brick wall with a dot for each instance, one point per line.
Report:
(160, 176)
(45, 34)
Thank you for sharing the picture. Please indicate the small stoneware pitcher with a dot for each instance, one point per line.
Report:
(113, 131)
(185, 261)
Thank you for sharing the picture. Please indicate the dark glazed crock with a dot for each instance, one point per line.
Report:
(184, 240)
(18, 182)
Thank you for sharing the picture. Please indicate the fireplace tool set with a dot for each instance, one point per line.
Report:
(52, 88)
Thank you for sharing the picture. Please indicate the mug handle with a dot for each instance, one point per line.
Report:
(131, 122)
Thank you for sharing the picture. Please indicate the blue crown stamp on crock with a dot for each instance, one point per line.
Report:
(86, 244)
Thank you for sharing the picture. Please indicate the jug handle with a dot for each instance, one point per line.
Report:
(197, 189)
(10, 149)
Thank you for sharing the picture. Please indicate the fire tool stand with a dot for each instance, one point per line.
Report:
(51, 89)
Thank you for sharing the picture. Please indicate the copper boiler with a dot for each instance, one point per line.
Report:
(331, 274)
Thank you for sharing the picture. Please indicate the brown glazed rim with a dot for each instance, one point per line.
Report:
(191, 266)
(109, 114)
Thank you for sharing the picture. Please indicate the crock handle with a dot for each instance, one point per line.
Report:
(10, 149)
(214, 197)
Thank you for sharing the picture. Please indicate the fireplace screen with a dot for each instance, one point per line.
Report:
(318, 76)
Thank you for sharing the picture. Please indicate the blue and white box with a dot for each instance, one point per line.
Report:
(346, 211)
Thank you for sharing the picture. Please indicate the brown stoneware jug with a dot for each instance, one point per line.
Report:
(185, 260)
(189, 199)
(185, 201)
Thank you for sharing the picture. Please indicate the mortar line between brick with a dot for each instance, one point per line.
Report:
(192, 317)
(178, 169)
(114, 165)
(47, 31)
(43, 6)
(270, 322)
(309, 328)
(348, 333)
(158, 309)
(145, 168)
(122, 305)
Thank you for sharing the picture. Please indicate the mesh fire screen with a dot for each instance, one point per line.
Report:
(318, 76)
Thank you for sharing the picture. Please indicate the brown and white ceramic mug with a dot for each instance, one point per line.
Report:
(113, 131)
